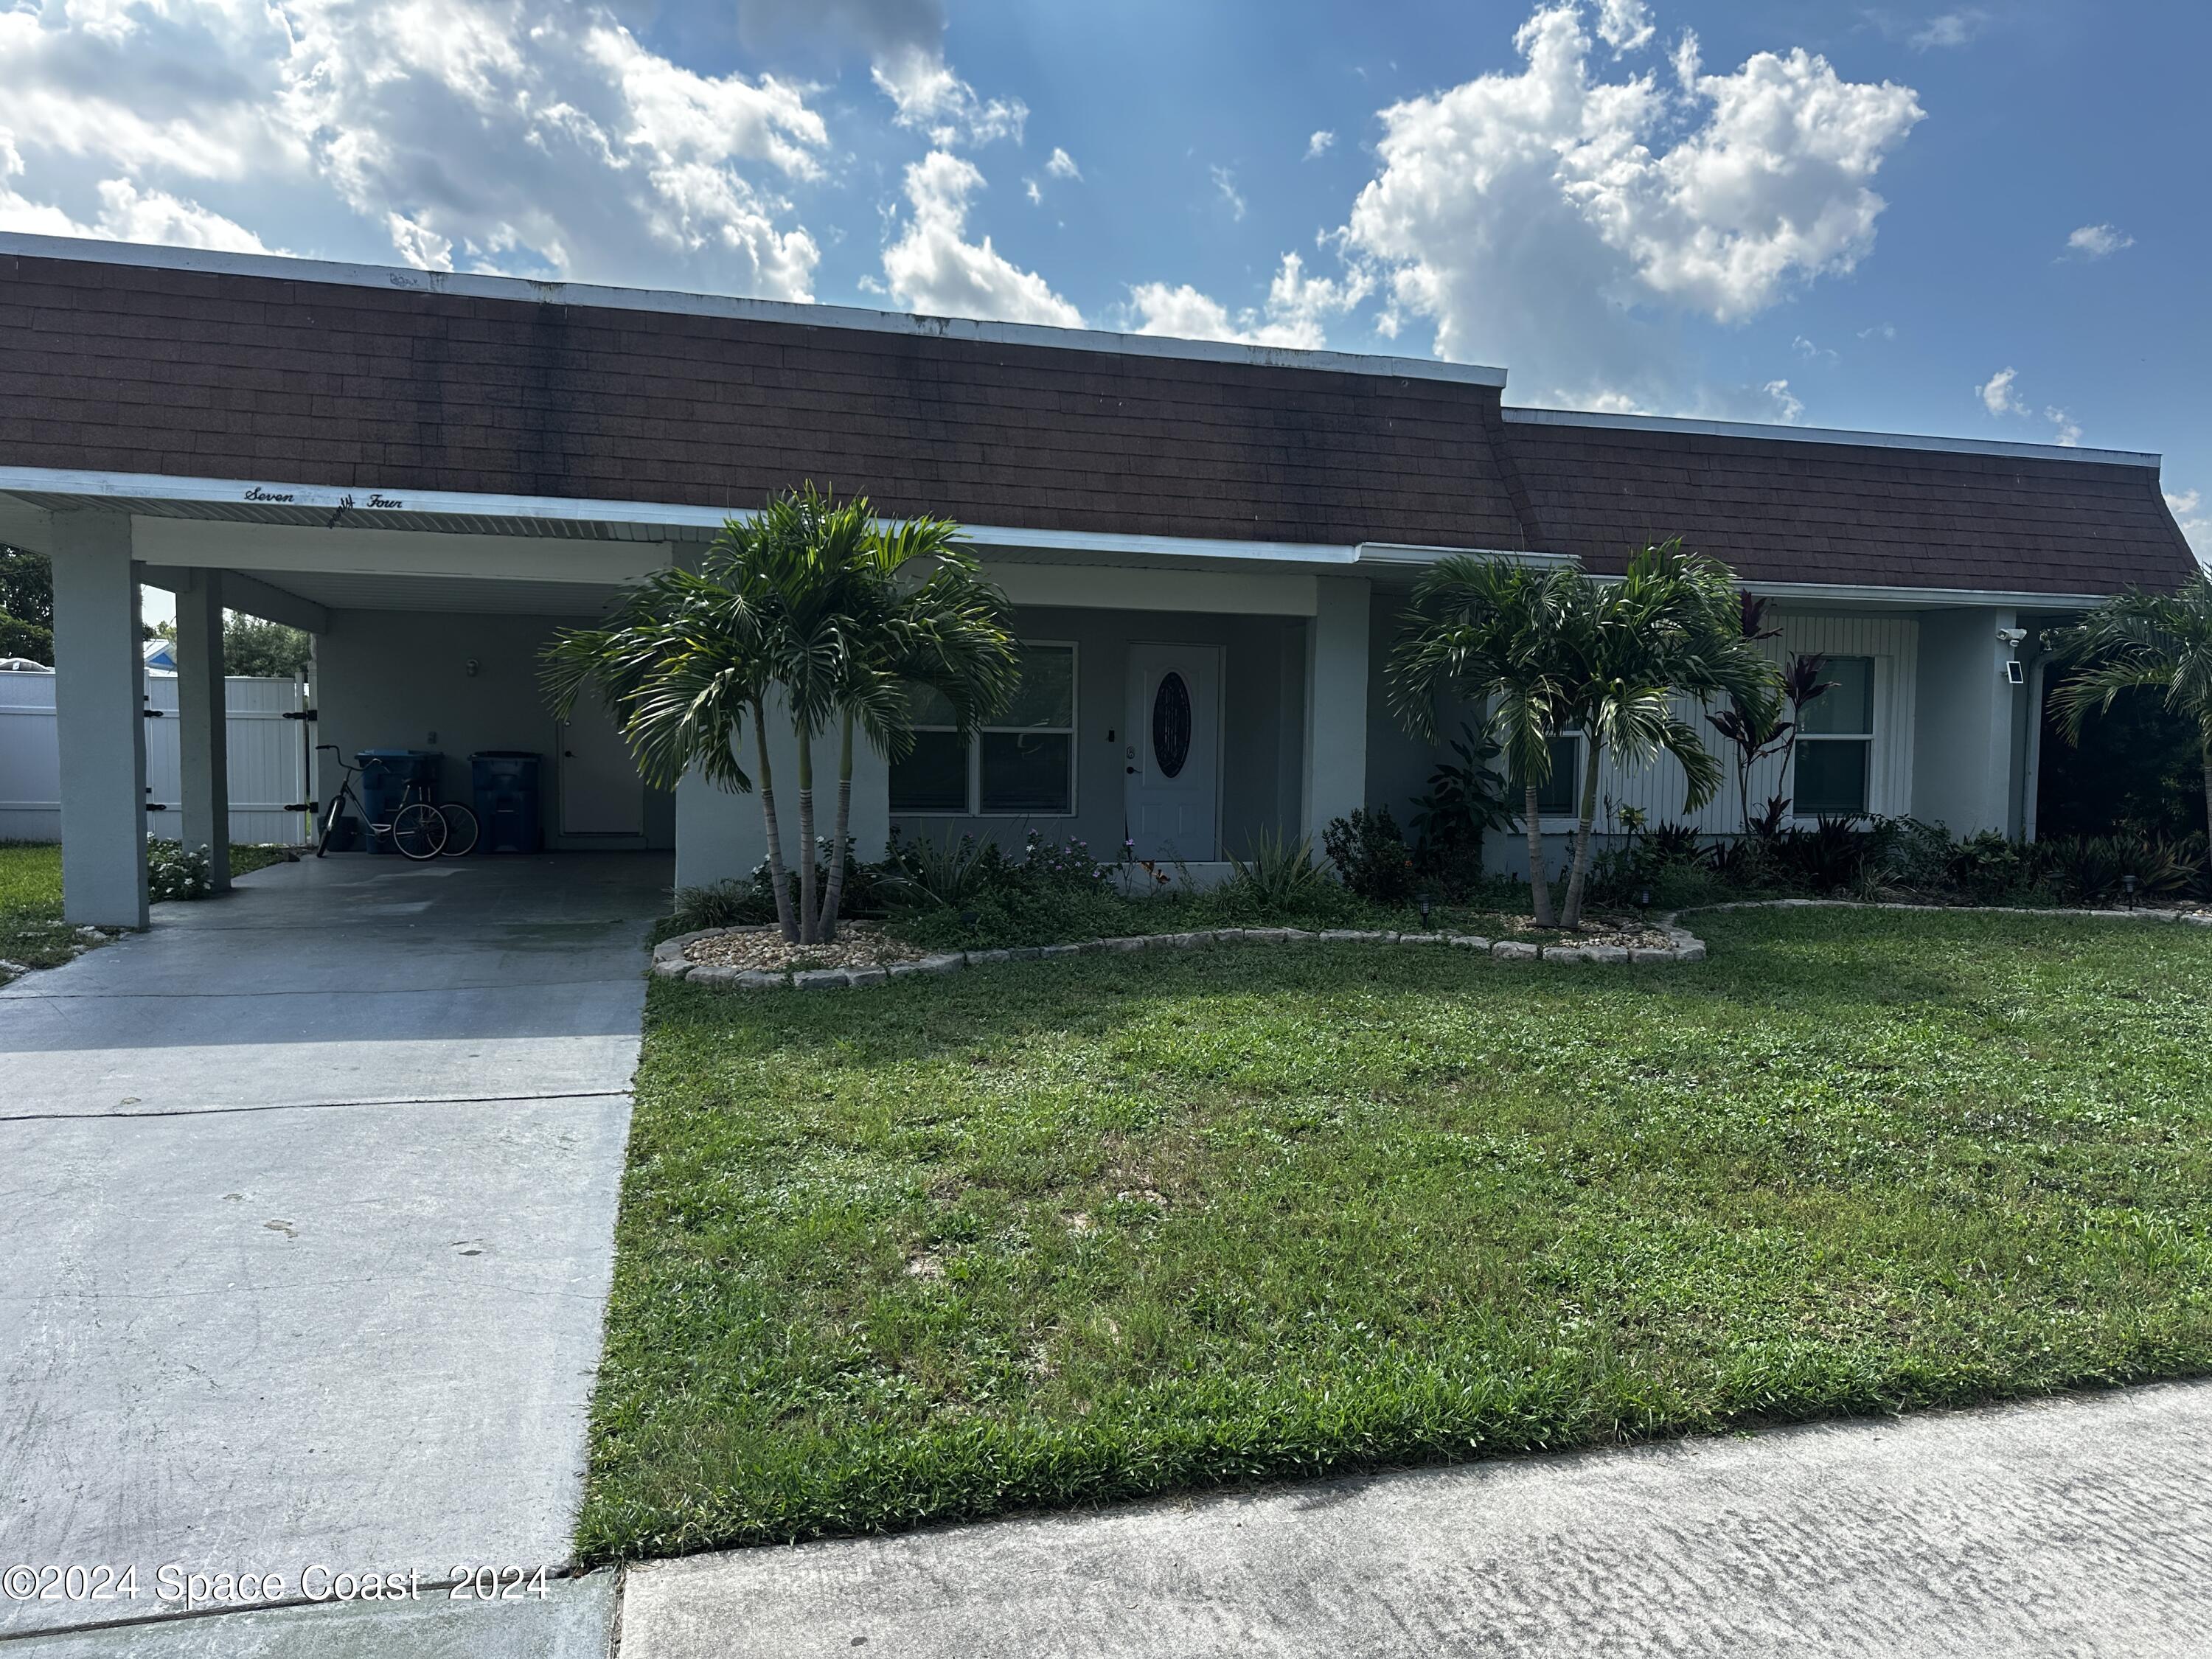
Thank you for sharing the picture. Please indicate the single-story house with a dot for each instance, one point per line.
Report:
(1206, 544)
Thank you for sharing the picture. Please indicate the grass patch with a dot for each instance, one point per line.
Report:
(32, 932)
(1034, 1235)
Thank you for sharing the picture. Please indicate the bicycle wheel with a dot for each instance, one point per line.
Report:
(460, 829)
(418, 831)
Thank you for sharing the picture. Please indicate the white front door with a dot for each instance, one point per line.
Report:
(1172, 758)
(600, 791)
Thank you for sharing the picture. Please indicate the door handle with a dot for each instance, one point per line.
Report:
(1131, 770)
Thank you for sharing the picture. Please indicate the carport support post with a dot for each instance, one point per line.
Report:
(202, 742)
(1336, 704)
(100, 678)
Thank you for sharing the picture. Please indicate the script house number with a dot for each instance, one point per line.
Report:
(389, 503)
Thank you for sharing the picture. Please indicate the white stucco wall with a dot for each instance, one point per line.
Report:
(399, 679)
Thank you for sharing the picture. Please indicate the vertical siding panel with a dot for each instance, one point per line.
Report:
(1891, 641)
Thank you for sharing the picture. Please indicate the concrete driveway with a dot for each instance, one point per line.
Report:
(307, 1207)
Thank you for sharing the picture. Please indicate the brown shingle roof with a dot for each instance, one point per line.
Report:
(117, 361)
(1783, 509)
(133, 368)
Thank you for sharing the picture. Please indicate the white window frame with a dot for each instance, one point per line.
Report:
(974, 804)
(1876, 687)
(1555, 824)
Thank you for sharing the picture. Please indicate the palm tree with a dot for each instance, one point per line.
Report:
(1670, 628)
(920, 616)
(1488, 630)
(2139, 640)
(812, 608)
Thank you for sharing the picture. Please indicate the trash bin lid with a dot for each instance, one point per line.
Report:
(395, 753)
(507, 754)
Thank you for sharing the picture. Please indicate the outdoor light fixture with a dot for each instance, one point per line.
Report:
(1644, 898)
(2128, 886)
(1422, 899)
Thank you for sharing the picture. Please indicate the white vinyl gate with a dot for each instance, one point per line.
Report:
(268, 759)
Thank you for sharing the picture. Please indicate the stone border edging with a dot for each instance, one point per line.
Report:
(669, 961)
(2186, 918)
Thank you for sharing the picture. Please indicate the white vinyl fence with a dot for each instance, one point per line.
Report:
(268, 759)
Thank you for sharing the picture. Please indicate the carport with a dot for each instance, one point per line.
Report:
(427, 617)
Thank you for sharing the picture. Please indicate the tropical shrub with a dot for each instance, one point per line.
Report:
(1466, 799)
(1371, 856)
(1278, 875)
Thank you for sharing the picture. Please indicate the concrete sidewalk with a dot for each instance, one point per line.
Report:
(306, 1197)
(2077, 1526)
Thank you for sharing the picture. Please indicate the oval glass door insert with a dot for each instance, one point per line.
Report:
(1171, 725)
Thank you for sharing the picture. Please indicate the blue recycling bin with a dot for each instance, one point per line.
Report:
(385, 777)
(505, 783)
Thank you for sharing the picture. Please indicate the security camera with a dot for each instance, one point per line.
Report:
(2012, 636)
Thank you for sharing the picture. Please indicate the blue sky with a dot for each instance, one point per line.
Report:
(1982, 221)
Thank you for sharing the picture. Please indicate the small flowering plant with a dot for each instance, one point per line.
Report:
(1062, 864)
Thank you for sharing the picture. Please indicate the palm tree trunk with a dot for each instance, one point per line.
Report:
(1539, 891)
(2207, 800)
(810, 917)
(1580, 879)
(776, 866)
(835, 896)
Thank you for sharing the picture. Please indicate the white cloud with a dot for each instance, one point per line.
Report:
(1533, 214)
(1319, 144)
(1787, 408)
(1623, 25)
(126, 214)
(2195, 518)
(1293, 314)
(929, 97)
(1950, 28)
(132, 215)
(532, 136)
(1035, 191)
(2097, 241)
(1224, 181)
(932, 268)
(1999, 395)
(1688, 64)
(1061, 165)
(1879, 332)
(1815, 354)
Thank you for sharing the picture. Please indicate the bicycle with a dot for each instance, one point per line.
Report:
(420, 828)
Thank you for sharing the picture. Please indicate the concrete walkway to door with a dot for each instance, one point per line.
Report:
(307, 1203)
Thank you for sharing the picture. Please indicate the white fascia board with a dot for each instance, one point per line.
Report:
(525, 290)
(1412, 557)
(272, 547)
(1922, 598)
(1815, 434)
(362, 507)
(1105, 588)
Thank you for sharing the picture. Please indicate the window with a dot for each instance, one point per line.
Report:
(1021, 765)
(1556, 795)
(1835, 743)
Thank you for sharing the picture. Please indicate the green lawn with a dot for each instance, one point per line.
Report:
(1046, 1233)
(31, 935)
(32, 932)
